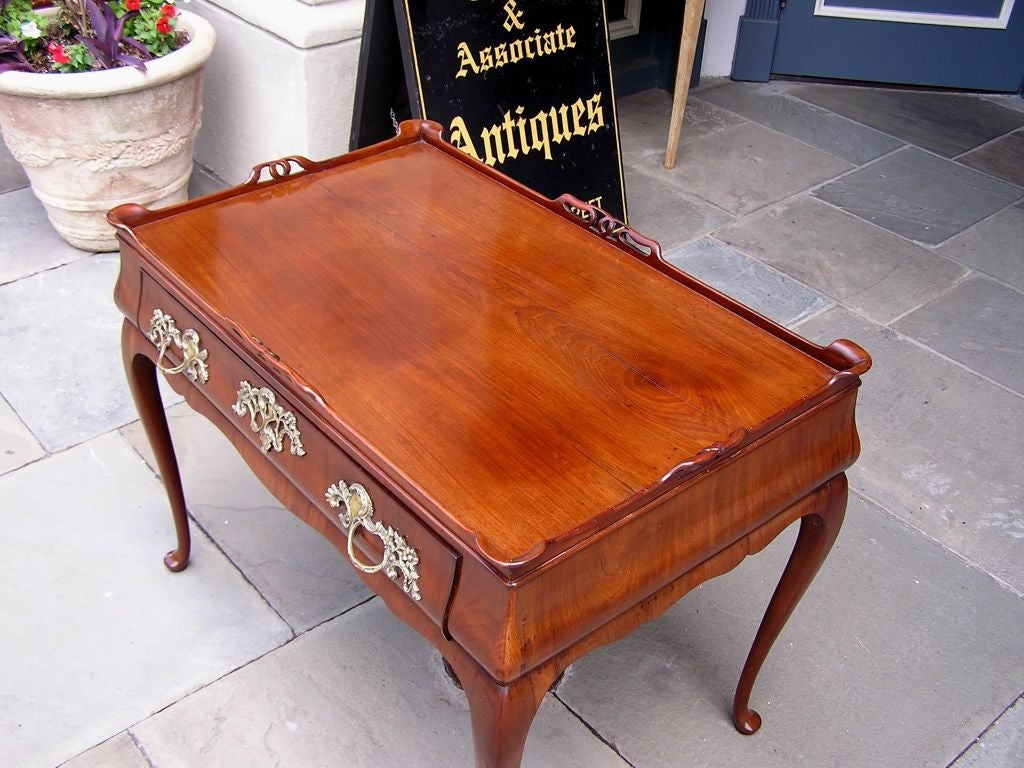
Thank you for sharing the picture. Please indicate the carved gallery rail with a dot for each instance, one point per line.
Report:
(528, 432)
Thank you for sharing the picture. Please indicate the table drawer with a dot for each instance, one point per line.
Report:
(387, 538)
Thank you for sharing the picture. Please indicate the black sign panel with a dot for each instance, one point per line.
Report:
(524, 86)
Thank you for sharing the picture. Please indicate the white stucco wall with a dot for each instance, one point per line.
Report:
(281, 81)
(720, 39)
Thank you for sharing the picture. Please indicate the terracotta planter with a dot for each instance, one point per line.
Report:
(91, 141)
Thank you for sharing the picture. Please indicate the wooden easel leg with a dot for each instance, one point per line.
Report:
(502, 714)
(142, 381)
(818, 532)
(692, 15)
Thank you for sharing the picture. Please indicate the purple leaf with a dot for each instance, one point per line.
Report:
(131, 61)
(137, 45)
(96, 50)
(12, 55)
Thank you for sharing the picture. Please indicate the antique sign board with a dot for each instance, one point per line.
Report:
(524, 86)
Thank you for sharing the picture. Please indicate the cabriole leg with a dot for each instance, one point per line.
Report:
(818, 531)
(502, 714)
(142, 381)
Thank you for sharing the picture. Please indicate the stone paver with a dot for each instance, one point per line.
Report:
(769, 292)
(298, 571)
(18, 446)
(993, 246)
(97, 634)
(945, 123)
(11, 174)
(661, 212)
(29, 243)
(1001, 746)
(860, 265)
(898, 654)
(745, 167)
(361, 690)
(919, 196)
(1002, 158)
(979, 323)
(643, 124)
(941, 446)
(118, 752)
(769, 105)
(62, 329)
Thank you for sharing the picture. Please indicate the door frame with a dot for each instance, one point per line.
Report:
(758, 32)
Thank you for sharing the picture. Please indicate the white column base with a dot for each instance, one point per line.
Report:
(281, 81)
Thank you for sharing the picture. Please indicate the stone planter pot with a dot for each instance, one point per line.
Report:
(90, 141)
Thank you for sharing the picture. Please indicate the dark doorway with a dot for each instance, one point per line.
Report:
(644, 40)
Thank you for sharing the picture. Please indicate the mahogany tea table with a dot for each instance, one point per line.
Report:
(528, 432)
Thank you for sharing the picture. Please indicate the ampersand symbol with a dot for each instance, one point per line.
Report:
(513, 16)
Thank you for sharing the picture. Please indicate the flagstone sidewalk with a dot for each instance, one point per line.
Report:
(892, 217)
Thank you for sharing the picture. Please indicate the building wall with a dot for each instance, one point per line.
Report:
(281, 81)
(282, 77)
(720, 39)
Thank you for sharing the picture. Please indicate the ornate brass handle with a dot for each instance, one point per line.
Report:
(270, 420)
(398, 555)
(163, 332)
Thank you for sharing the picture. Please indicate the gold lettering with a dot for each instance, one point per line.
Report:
(561, 132)
(531, 46)
(515, 51)
(539, 132)
(560, 34)
(486, 60)
(513, 16)
(465, 59)
(517, 135)
(460, 138)
(596, 202)
(578, 108)
(489, 136)
(595, 114)
(500, 55)
(521, 125)
(513, 153)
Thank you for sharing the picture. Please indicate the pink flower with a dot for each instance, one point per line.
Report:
(168, 11)
(163, 25)
(58, 53)
(132, 5)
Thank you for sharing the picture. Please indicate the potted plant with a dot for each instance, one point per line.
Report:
(100, 102)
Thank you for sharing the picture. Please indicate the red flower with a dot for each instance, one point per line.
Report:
(163, 25)
(58, 53)
(132, 5)
(168, 11)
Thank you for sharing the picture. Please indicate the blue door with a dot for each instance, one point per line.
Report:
(969, 44)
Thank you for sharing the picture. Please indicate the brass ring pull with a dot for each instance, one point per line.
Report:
(356, 524)
(163, 333)
(398, 555)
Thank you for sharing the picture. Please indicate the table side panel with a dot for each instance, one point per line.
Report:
(598, 579)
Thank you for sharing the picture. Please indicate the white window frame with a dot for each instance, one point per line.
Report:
(628, 25)
(917, 17)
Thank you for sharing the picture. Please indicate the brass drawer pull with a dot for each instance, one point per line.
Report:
(163, 332)
(270, 420)
(398, 555)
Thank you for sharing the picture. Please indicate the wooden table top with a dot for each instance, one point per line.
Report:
(529, 380)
